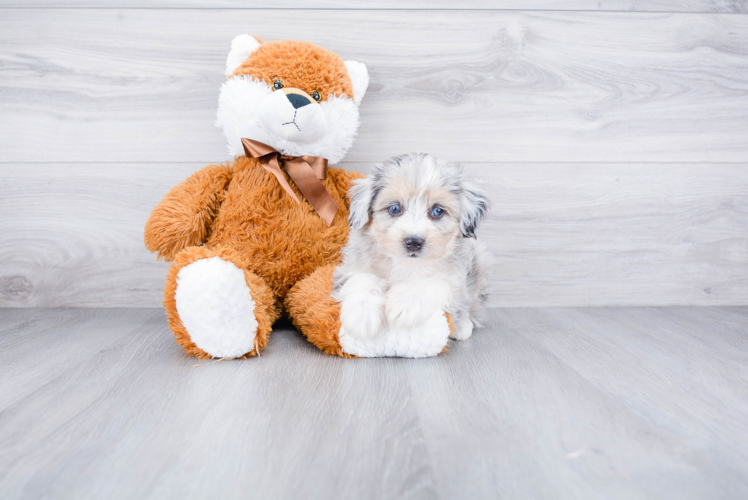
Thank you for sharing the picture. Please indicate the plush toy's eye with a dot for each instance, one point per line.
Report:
(316, 96)
(394, 209)
(437, 212)
(277, 85)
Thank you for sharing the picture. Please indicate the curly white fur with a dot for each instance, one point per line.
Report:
(362, 304)
(381, 278)
(216, 307)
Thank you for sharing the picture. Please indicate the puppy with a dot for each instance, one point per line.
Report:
(412, 250)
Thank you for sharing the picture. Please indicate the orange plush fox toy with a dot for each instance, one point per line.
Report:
(261, 235)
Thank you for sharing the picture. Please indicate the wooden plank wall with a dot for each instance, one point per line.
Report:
(612, 136)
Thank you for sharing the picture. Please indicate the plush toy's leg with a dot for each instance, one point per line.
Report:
(215, 307)
(317, 315)
(315, 312)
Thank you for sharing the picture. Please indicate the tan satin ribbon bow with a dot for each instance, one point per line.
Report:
(306, 172)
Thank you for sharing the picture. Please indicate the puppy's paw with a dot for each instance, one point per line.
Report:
(362, 319)
(362, 306)
(402, 315)
(409, 305)
(463, 330)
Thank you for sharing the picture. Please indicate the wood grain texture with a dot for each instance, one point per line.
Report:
(543, 403)
(140, 85)
(740, 6)
(561, 234)
(591, 403)
(618, 234)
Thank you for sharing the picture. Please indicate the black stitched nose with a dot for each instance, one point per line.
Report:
(413, 244)
(297, 100)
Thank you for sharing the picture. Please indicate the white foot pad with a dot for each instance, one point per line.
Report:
(216, 307)
(420, 342)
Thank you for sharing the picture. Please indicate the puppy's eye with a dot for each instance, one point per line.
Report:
(394, 209)
(437, 212)
(316, 96)
(277, 85)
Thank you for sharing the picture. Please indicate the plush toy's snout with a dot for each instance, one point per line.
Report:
(288, 114)
(298, 97)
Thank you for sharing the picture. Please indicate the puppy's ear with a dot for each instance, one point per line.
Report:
(361, 195)
(475, 206)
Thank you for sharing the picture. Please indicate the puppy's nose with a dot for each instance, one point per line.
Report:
(413, 243)
(298, 100)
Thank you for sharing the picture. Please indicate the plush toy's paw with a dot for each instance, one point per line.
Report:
(409, 305)
(216, 307)
(362, 305)
(463, 330)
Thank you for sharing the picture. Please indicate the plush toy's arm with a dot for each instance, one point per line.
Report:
(343, 182)
(183, 217)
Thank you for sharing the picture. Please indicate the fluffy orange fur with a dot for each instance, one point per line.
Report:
(282, 241)
(315, 313)
(242, 214)
(305, 66)
(184, 216)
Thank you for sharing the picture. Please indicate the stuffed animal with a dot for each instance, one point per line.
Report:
(261, 236)
(241, 235)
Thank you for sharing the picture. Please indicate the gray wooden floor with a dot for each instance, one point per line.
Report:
(543, 403)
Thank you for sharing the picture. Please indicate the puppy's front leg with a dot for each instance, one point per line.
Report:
(408, 305)
(463, 328)
(362, 305)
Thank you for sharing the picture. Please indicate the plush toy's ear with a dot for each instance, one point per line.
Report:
(241, 47)
(475, 206)
(361, 195)
(360, 78)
